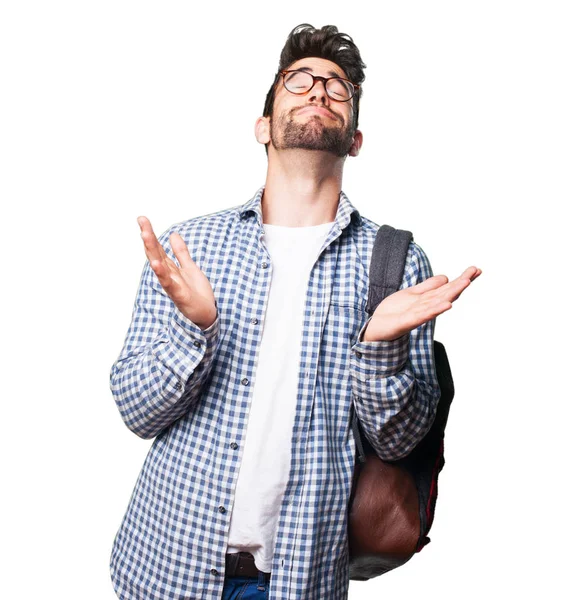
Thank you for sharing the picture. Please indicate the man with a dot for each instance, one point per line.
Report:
(248, 349)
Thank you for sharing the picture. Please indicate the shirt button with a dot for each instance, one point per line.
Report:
(214, 571)
(255, 321)
(221, 509)
(245, 381)
(178, 385)
(264, 265)
(233, 445)
(197, 344)
(358, 354)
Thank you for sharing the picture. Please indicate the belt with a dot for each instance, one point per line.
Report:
(242, 563)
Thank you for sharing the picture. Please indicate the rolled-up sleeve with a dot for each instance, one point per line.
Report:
(165, 360)
(394, 383)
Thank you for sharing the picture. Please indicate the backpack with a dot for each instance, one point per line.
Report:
(391, 508)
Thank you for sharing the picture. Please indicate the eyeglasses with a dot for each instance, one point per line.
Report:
(301, 82)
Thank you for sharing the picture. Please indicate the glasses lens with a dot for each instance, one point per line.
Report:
(298, 82)
(339, 89)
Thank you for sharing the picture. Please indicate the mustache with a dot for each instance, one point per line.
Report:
(332, 113)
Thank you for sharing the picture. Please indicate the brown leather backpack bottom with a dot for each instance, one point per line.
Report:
(384, 512)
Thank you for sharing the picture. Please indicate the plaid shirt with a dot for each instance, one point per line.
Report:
(190, 390)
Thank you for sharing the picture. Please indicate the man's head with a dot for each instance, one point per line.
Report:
(315, 114)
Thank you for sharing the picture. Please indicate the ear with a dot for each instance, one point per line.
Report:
(357, 143)
(262, 130)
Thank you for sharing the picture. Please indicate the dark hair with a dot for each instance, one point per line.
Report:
(305, 41)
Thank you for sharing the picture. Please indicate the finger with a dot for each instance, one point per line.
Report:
(440, 284)
(444, 307)
(465, 279)
(471, 272)
(431, 283)
(167, 277)
(451, 291)
(456, 295)
(427, 313)
(462, 282)
(152, 252)
(162, 272)
(152, 246)
(435, 309)
(181, 252)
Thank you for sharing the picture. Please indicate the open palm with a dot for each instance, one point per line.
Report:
(409, 308)
(187, 286)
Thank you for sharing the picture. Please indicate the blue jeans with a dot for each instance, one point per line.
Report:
(240, 587)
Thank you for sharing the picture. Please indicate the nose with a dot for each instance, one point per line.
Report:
(318, 92)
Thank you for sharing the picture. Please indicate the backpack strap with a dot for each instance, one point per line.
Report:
(385, 278)
(387, 264)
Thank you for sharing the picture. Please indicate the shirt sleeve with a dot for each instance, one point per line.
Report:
(394, 383)
(165, 360)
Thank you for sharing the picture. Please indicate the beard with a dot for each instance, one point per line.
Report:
(313, 134)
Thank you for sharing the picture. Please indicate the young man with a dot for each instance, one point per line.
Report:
(248, 349)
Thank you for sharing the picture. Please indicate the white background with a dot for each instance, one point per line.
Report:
(111, 110)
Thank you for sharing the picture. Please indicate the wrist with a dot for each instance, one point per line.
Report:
(367, 337)
(209, 323)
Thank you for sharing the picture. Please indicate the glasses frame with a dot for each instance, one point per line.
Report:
(318, 78)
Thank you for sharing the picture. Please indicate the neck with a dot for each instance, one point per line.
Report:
(302, 188)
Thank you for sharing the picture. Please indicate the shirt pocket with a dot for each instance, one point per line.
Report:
(344, 321)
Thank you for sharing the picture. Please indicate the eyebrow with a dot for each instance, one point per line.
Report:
(330, 73)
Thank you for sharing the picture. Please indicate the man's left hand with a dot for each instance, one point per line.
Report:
(409, 308)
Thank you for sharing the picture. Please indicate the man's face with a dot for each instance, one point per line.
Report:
(312, 121)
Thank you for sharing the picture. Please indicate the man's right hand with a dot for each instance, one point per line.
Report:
(187, 286)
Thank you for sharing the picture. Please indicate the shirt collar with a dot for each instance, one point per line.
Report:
(345, 209)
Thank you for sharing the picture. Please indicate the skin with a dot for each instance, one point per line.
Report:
(302, 186)
(187, 286)
(303, 183)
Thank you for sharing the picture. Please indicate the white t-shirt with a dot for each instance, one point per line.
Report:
(264, 470)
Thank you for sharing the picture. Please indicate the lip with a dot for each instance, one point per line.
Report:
(317, 109)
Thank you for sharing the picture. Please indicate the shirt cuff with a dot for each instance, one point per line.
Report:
(184, 327)
(379, 358)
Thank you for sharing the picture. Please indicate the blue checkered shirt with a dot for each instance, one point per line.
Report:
(190, 390)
